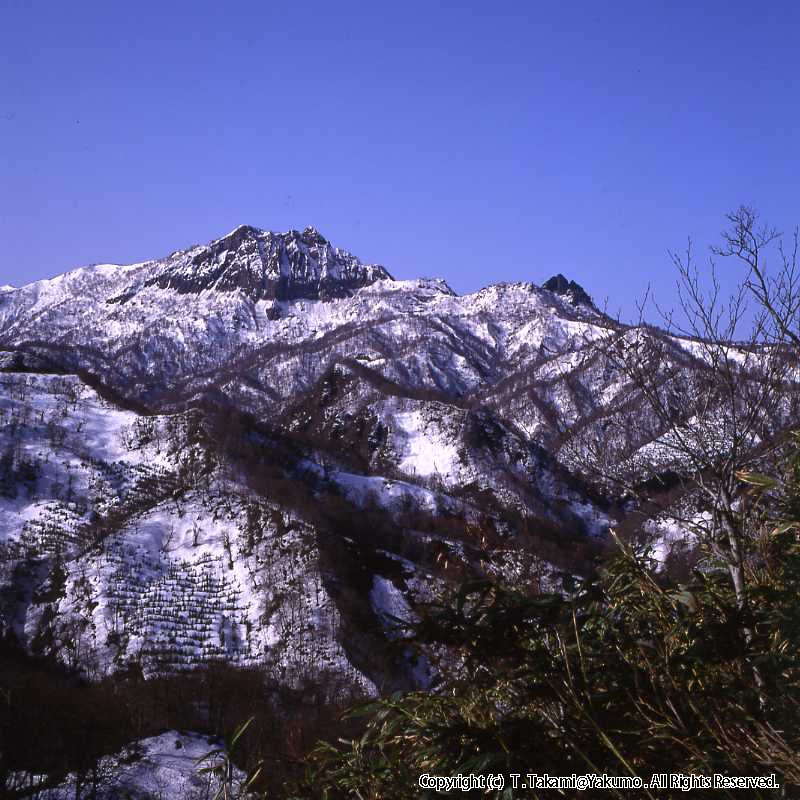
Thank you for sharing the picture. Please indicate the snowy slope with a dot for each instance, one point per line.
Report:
(161, 767)
(118, 547)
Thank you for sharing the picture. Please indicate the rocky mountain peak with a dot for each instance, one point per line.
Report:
(268, 265)
(573, 291)
(311, 234)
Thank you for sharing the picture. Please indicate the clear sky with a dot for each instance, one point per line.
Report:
(478, 141)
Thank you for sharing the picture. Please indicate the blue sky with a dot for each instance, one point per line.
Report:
(477, 141)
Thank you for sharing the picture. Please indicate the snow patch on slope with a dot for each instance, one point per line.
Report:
(161, 767)
(424, 451)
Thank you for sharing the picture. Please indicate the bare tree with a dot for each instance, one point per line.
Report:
(704, 403)
(777, 294)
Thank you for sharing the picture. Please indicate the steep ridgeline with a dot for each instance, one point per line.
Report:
(265, 451)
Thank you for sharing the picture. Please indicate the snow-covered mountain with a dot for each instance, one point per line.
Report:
(265, 265)
(265, 451)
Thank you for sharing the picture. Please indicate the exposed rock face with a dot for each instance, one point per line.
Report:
(567, 288)
(269, 266)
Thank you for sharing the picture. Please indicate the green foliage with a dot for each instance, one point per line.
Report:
(628, 674)
(219, 765)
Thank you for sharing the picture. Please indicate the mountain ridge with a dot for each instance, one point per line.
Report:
(292, 463)
(319, 262)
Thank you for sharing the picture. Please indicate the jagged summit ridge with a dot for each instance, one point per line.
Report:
(573, 291)
(267, 265)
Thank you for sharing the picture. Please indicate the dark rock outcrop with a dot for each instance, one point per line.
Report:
(574, 292)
